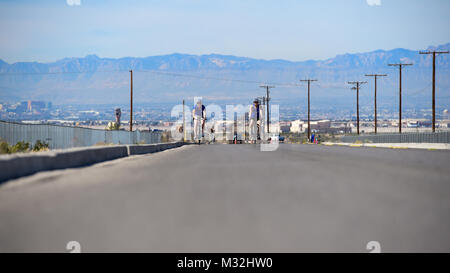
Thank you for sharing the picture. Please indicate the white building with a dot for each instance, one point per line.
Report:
(298, 126)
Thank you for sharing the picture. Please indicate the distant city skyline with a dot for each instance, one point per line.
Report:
(46, 31)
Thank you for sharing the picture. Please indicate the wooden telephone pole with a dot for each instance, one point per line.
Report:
(375, 99)
(400, 66)
(434, 82)
(184, 123)
(131, 101)
(267, 87)
(356, 87)
(309, 125)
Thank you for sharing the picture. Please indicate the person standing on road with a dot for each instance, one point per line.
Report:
(255, 119)
(199, 116)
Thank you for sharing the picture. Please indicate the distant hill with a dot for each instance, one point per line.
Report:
(107, 80)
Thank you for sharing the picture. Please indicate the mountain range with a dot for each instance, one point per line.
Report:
(170, 78)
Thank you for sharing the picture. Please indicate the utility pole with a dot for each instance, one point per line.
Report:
(434, 82)
(267, 87)
(184, 124)
(309, 125)
(131, 101)
(356, 87)
(400, 66)
(375, 99)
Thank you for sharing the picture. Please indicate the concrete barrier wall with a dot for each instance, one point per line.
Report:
(63, 137)
(22, 164)
(152, 148)
(438, 137)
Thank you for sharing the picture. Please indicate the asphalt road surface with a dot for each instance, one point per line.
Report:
(235, 198)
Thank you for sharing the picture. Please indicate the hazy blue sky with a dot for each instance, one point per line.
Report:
(48, 30)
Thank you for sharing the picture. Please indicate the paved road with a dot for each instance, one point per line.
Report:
(236, 198)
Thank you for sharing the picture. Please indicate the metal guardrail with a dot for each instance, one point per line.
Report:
(62, 137)
(438, 137)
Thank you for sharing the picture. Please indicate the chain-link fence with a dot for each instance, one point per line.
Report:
(61, 137)
(438, 137)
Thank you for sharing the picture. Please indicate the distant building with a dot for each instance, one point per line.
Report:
(298, 126)
(341, 128)
(285, 127)
(321, 126)
(445, 123)
(20, 107)
(30, 106)
(425, 124)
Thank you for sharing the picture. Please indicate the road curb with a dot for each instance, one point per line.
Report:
(23, 164)
(400, 146)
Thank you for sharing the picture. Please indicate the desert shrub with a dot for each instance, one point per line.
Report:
(4, 147)
(20, 147)
(40, 146)
(165, 136)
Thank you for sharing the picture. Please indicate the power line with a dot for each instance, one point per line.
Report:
(418, 91)
(150, 71)
(195, 76)
(58, 73)
(214, 78)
